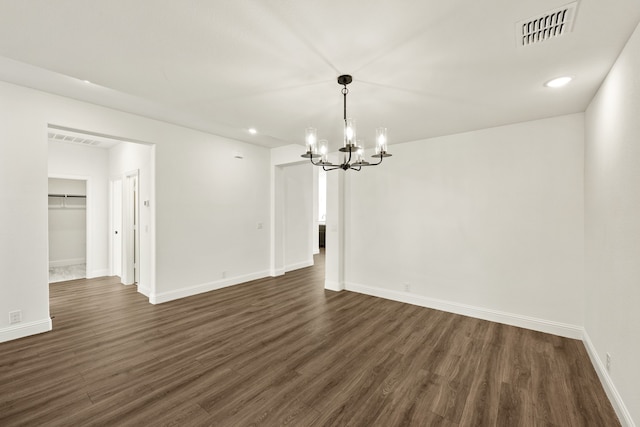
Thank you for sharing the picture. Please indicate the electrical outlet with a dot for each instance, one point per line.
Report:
(224, 274)
(407, 287)
(15, 317)
(608, 362)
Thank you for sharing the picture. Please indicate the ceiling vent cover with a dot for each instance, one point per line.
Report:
(549, 25)
(72, 139)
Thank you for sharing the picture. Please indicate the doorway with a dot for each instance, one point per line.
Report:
(295, 234)
(120, 218)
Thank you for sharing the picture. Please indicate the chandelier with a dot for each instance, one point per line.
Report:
(353, 149)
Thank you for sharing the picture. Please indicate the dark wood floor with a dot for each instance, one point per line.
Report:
(285, 351)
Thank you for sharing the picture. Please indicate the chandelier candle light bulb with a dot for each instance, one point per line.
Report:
(311, 138)
(349, 132)
(323, 151)
(381, 140)
(353, 149)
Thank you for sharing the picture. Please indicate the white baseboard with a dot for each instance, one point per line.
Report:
(159, 298)
(22, 330)
(298, 265)
(541, 325)
(277, 272)
(66, 262)
(607, 383)
(335, 286)
(144, 291)
(98, 273)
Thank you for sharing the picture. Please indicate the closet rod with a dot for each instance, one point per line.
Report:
(79, 196)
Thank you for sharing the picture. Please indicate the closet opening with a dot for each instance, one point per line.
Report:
(67, 220)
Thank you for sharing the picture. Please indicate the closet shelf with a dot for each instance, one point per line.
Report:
(67, 201)
(77, 196)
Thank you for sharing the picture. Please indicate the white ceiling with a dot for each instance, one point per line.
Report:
(422, 68)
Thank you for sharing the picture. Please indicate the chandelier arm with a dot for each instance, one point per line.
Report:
(315, 164)
(376, 164)
(323, 164)
(334, 167)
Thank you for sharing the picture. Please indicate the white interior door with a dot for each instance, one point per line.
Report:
(130, 245)
(116, 227)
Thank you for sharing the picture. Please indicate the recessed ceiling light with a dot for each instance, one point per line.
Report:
(559, 82)
(252, 131)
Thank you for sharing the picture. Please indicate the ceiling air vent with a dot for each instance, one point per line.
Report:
(549, 25)
(72, 139)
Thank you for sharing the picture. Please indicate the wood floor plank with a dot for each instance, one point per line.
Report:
(284, 351)
(514, 408)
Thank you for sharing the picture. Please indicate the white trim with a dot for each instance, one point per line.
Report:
(22, 330)
(536, 324)
(607, 383)
(66, 262)
(334, 286)
(97, 273)
(144, 291)
(130, 227)
(152, 222)
(277, 272)
(159, 298)
(298, 265)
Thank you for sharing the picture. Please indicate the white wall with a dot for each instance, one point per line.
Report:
(298, 216)
(207, 203)
(486, 223)
(23, 191)
(612, 225)
(334, 277)
(322, 196)
(67, 186)
(91, 163)
(67, 223)
(128, 157)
